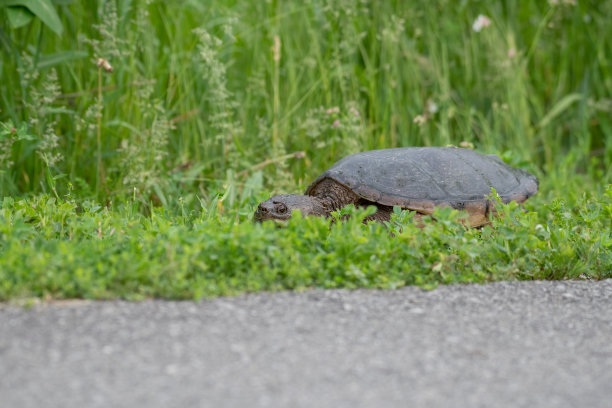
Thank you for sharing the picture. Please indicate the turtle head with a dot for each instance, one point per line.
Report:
(280, 207)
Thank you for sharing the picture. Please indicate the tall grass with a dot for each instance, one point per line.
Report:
(210, 97)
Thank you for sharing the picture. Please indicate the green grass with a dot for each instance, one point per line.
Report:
(211, 104)
(59, 249)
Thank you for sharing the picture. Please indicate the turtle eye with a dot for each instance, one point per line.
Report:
(282, 209)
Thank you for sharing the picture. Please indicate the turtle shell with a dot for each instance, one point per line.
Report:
(420, 178)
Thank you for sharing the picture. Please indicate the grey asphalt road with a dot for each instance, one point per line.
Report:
(522, 344)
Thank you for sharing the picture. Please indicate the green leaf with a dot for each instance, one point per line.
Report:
(18, 16)
(559, 107)
(43, 9)
(56, 58)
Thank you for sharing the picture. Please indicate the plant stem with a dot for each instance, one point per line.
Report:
(100, 172)
(276, 102)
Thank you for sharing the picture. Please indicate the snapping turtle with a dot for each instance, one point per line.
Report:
(413, 178)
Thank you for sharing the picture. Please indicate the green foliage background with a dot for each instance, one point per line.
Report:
(213, 105)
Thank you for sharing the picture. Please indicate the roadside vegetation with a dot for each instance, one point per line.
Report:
(137, 137)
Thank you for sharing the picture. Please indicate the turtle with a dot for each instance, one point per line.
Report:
(413, 178)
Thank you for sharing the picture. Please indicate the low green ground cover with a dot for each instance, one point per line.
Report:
(58, 249)
(140, 180)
